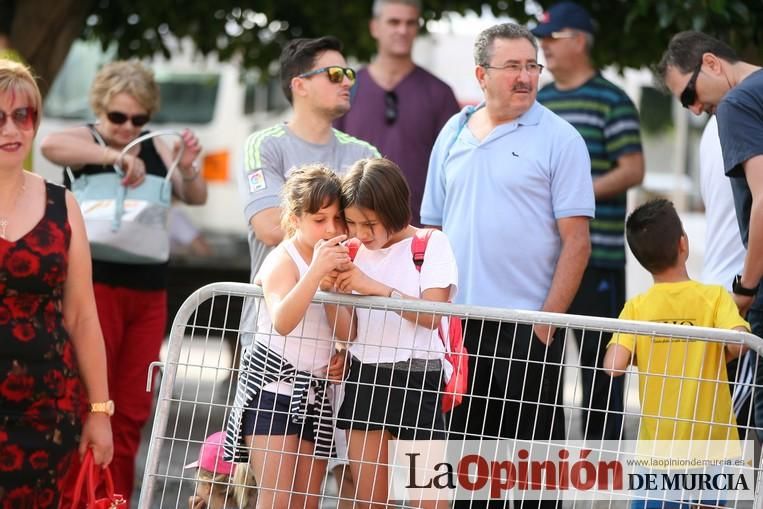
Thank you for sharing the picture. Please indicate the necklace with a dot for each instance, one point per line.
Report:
(5, 220)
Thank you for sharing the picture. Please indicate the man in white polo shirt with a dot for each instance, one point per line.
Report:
(510, 184)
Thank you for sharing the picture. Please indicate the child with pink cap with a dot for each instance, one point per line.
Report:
(219, 483)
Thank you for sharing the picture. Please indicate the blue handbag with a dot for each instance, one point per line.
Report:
(127, 224)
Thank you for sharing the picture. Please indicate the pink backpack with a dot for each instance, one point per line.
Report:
(449, 330)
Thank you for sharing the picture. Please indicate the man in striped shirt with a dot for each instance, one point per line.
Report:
(608, 121)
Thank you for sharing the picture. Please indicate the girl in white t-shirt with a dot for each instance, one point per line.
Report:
(281, 410)
(395, 377)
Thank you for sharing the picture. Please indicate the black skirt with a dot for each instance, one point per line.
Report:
(394, 398)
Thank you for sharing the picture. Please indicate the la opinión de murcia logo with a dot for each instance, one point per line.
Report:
(498, 469)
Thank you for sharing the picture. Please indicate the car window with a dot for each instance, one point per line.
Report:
(187, 98)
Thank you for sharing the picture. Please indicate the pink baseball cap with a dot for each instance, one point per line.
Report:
(211, 456)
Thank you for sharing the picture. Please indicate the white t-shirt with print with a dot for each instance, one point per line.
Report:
(384, 336)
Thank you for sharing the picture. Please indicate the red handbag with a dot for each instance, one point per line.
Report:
(87, 479)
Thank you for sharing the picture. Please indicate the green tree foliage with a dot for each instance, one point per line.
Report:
(632, 33)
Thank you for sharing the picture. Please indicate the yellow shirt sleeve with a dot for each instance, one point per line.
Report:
(727, 314)
(621, 338)
(11, 54)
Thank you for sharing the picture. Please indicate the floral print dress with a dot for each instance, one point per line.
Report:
(39, 381)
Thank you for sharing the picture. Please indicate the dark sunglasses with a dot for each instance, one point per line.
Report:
(335, 73)
(119, 118)
(24, 118)
(689, 95)
(390, 107)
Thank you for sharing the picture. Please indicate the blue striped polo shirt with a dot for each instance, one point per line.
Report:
(608, 121)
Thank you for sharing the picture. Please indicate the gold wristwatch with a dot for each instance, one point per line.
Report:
(104, 407)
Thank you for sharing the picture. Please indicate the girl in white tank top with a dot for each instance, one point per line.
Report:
(297, 331)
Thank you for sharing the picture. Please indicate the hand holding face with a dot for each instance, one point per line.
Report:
(196, 502)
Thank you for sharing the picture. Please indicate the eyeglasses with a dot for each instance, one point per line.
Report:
(119, 118)
(689, 95)
(390, 107)
(532, 68)
(24, 118)
(335, 73)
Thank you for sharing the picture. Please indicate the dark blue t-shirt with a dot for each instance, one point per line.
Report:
(740, 126)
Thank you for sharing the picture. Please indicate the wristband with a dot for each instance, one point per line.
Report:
(196, 171)
(738, 289)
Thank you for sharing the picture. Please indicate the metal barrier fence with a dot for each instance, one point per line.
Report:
(524, 395)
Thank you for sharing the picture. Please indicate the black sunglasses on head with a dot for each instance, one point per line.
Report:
(689, 95)
(119, 118)
(390, 107)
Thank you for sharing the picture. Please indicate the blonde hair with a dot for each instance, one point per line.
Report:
(307, 190)
(16, 78)
(239, 487)
(128, 77)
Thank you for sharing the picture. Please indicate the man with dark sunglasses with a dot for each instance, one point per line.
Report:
(706, 75)
(608, 121)
(398, 106)
(316, 80)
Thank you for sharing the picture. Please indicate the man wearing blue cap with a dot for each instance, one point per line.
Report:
(608, 121)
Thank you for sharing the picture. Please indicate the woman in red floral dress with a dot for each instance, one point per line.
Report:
(49, 331)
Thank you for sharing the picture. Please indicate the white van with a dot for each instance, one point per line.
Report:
(218, 101)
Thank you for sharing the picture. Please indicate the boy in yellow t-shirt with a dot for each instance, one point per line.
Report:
(683, 383)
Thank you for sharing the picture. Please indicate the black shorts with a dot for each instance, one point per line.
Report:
(269, 415)
(406, 403)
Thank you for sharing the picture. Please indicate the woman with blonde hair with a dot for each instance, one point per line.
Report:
(131, 297)
(49, 332)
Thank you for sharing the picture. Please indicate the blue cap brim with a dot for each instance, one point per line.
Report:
(544, 30)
